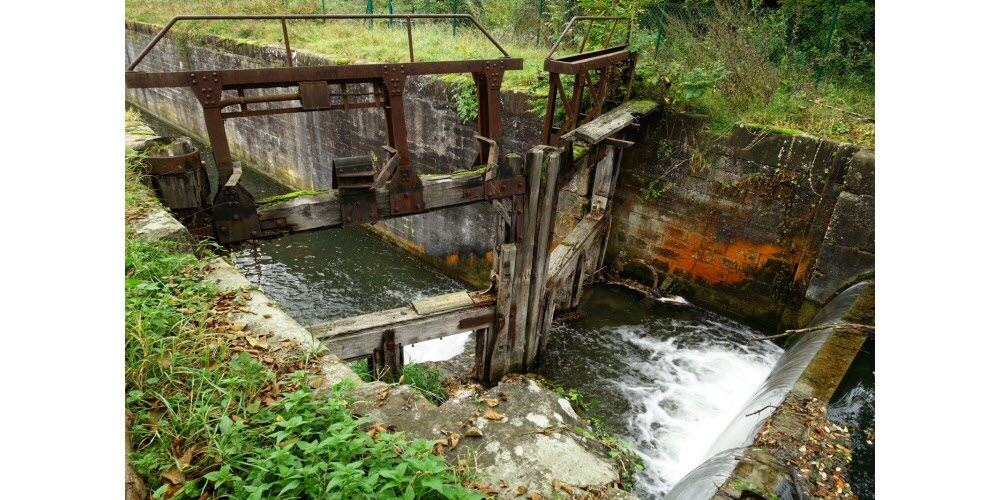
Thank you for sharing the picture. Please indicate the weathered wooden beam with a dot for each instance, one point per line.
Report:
(546, 226)
(497, 354)
(322, 211)
(612, 122)
(359, 336)
(563, 260)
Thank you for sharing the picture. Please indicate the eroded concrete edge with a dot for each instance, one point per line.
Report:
(819, 380)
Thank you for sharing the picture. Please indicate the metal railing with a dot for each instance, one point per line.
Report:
(590, 25)
(284, 28)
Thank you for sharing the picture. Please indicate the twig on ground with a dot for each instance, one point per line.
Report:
(855, 326)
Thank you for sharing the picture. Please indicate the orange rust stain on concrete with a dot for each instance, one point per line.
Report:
(489, 257)
(716, 262)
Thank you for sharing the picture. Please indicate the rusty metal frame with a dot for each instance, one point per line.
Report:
(613, 68)
(223, 95)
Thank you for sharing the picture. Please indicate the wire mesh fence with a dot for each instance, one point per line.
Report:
(829, 39)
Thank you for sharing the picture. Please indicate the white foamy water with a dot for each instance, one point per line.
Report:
(436, 350)
(684, 393)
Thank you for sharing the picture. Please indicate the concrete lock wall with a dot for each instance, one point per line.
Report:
(761, 224)
(757, 223)
(297, 149)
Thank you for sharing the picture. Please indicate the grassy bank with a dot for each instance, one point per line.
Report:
(739, 65)
(215, 410)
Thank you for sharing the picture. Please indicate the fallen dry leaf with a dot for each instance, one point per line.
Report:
(185, 310)
(257, 341)
(534, 496)
(316, 382)
(473, 432)
(492, 403)
(453, 440)
(492, 415)
(237, 326)
(520, 491)
(173, 476)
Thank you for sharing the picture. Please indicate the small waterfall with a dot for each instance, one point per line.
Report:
(703, 481)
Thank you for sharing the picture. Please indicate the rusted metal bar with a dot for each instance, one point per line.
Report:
(607, 41)
(288, 47)
(409, 36)
(581, 18)
(287, 77)
(170, 24)
(586, 36)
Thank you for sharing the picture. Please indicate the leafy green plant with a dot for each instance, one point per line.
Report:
(464, 95)
(426, 379)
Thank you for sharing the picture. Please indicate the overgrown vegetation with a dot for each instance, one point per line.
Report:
(423, 377)
(736, 61)
(214, 411)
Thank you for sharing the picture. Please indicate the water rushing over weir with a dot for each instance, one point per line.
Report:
(669, 378)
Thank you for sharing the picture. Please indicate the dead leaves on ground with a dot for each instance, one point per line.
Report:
(492, 415)
(822, 458)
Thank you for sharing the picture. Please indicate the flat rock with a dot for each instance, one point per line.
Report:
(532, 444)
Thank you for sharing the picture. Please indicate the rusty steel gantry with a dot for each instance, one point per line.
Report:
(229, 93)
(512, 318)
(605, 74)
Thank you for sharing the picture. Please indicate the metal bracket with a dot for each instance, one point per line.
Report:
(234, 211)
(178, 164)
(354, 178)
(390, 167)
(502, 188)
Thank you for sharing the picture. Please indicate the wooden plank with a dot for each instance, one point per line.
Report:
(322, 211)
(442, 303)
(526, 257)
(603, 173)
(497, 353)
(612, 122)
(359, 336)
(562, 261)
(546, 210)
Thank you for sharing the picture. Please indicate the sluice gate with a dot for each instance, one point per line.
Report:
(586, 129)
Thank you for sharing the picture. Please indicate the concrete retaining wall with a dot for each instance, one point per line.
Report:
(751, 223)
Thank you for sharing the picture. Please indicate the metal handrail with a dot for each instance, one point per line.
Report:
(628, 36)
(286, 17)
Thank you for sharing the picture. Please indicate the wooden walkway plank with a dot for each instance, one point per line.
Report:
(359, 336)
(612, 122)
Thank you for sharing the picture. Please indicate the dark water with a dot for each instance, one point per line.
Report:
(669, 379)
(854, 405)
(332, 274)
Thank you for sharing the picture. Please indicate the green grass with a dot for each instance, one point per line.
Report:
(734, 76)
(425, 378)
(212, 414)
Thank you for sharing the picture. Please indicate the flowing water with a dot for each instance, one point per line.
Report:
(853, 405)
(668, 378)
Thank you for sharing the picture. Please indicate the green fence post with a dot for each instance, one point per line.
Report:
(369, 9)
(324, 7)
(538, 34)
(659, 33)
(389, 21)
(454, 22)
(826, 47)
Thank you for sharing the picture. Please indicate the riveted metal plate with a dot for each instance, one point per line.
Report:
(502, 188)
(314, 95)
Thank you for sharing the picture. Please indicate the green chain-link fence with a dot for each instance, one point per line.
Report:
(830, 39)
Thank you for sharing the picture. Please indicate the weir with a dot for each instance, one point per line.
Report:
(513, 316)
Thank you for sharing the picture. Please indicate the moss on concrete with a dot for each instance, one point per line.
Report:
(281, 198)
